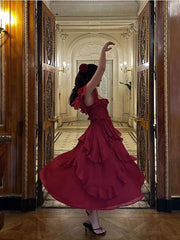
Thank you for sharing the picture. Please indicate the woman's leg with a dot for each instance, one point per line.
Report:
(93, 218)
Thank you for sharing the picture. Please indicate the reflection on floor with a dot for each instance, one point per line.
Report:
(66, 138)
(66, 224)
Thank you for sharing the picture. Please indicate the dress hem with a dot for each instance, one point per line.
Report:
(69, 204)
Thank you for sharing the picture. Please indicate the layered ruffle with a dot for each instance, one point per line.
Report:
(98, 173)
(97, 140)
(102, 160)
(78, 102)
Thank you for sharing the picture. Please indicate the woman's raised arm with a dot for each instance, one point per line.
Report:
(94, 82)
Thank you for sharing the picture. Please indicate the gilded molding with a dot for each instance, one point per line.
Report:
(166, 99)
(26, 98)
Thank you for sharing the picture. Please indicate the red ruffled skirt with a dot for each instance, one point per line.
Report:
(97, 174)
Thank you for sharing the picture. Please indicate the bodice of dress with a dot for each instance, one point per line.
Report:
(98, 110)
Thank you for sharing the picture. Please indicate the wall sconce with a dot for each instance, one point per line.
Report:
(2, 32)
(128, 85)
(65, 67)
(124, 67)
(4, 19)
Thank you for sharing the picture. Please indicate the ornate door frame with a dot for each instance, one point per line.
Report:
(145, 101)
(46, 89)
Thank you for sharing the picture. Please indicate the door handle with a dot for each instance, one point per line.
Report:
(143, 123)
(53, 119)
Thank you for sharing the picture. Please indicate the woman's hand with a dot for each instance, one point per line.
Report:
(106, 47)
(95, 80)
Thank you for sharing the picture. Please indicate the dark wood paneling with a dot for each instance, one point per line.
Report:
(174, 95)
(3, 168)
(1, 220)
(17, 92)
(13, 47)
(14, 65)
(161, 141)
(28, 163)
(170, 186)
(32, 101)
(6, 128)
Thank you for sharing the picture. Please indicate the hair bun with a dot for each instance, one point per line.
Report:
(83, 68)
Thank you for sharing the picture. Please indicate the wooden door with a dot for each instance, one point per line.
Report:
(145, 93)
(46, 88)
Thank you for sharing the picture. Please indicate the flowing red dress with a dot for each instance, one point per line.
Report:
(98, 173)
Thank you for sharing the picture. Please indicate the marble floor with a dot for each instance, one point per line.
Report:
(66, 224)
(66, 138)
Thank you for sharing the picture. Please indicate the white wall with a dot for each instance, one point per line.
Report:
(77, 46)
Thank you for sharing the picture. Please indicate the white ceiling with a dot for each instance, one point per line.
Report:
(94, 14)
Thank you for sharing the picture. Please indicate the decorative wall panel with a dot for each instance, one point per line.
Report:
(46, 88)
(145, 91)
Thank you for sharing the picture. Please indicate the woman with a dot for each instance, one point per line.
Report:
(98, 174)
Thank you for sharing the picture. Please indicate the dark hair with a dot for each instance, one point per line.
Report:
(83, 77)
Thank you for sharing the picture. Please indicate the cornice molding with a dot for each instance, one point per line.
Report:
(95, 21)
(64, 36)
(132, 29)
(96, 26)
(72, 19)
(91, 3)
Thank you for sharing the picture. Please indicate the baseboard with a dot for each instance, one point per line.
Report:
(17, 203)
(168, 205)
(176, 203)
